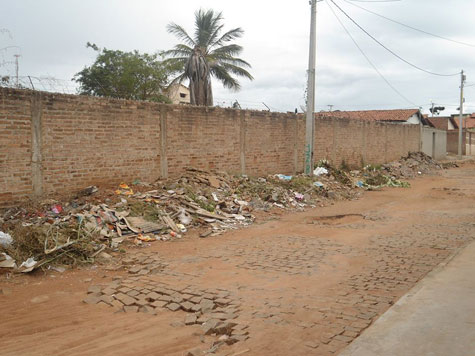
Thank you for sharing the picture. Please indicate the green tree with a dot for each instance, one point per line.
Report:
(125, 75)
(208, 53)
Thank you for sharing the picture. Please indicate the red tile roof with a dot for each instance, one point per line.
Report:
(373, 115)
(441, 123)
(468, 121)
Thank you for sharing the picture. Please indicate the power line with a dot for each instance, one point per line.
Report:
(408, 26)
(389, 50)
(375, 0)
(367, 58)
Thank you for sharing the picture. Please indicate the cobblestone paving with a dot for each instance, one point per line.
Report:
(216, 310)
(326, 319)
(285, 254)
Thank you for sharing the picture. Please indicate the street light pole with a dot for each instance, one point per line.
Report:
(310, 120)
(462, 80)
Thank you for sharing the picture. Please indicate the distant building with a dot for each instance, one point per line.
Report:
(449, 123)
(468, 121)
(402, 116)
(440, 122)
(178, 94)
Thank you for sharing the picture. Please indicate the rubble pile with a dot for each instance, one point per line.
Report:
(95, 221)
(415, 163)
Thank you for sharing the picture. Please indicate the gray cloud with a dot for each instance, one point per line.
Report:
(52, 35)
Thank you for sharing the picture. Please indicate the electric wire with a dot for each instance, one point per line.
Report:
(367, 58)
(389, 50)
(376, 0)
(408, 26)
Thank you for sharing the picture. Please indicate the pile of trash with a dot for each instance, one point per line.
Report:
(26, 248)
(414, 164)
(97, 222)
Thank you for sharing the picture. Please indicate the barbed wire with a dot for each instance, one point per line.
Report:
(44, 83)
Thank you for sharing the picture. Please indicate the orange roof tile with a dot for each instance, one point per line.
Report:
(372, 115)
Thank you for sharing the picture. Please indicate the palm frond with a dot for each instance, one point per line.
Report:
(178, 50)
(228, 36)
(206, 23)
(180, 32)
(178, 80)
(234, 61)
(236, 70)
(213, 36)
(223, 75)
(226, 51)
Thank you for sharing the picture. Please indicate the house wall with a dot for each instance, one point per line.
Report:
(434, 143)
(470, 143)
(453, 141)
(414, 120)
(53, 144)
(179, 94)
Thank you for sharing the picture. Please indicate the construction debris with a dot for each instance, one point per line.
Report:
(95, 223)
(416, 163)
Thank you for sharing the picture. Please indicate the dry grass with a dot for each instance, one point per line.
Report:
(35, 241)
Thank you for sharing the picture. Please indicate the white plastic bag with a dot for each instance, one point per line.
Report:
(320, 171)
(5, 240)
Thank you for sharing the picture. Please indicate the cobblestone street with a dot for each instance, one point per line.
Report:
(299, 284)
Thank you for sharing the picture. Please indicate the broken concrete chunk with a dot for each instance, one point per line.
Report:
(207, 305)
(148, 310)
(125, 299)
(224, 328)
(131, 309)
(94, 289)
(187, 306)
(190, 319)
(92, 299)
(173, 306)
(209, 326)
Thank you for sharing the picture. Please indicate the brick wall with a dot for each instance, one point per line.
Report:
(52, 144)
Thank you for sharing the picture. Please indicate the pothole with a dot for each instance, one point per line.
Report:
(336, 219)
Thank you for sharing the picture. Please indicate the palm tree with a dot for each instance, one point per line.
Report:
(207, 53)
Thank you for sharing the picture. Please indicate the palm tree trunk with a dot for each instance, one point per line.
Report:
(197, 71)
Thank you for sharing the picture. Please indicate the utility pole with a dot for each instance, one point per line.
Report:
(310, 120)
(16, 69)
(462, 81)
(432, 111)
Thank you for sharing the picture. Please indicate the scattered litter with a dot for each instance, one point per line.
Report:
(85, 228)
(5, 240)
(6, 261)
(181, 227)
(320, 171)
(184, 218)
(88, 191)
(28, 266)
(283, 177)
(57, 209)
(58, 269)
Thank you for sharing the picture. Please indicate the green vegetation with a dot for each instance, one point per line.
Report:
(125, 75)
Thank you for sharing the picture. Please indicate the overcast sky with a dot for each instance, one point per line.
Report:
(52, 35)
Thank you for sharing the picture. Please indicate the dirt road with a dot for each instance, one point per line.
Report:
(299, 284)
